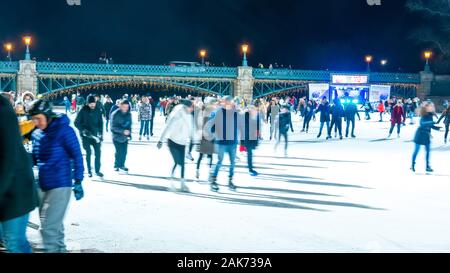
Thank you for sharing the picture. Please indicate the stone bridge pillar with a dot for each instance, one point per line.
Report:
(243, 87)
(426, 79)
(27, 80)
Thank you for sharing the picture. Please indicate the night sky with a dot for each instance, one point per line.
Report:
(325, 34)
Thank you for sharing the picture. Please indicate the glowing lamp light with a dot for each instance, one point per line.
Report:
(245, 48)
(384, 62)
(427, 54)
(27, 40)
(368, 59)
(203, 53)
(8, 47)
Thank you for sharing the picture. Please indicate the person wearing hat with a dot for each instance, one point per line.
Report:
(89, 123)
(18, 195)
(57, 154)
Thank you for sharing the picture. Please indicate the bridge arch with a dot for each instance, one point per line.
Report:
(50, 86)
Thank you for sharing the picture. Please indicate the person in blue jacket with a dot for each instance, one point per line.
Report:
(350, 111)
(423, 134)
(57, 153)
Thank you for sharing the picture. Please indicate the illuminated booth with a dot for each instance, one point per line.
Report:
(346, 87)
(349, 87)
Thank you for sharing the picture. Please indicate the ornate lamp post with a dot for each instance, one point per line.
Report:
(203, 56)
(427, 55)
(245, 51)
(27, 40)
(368, 60)
(9, 48)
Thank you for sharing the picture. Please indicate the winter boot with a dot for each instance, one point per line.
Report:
(413, 167)
(184, 188)
(213, 182)
(231, 185)
(429, 169)
(197, 174)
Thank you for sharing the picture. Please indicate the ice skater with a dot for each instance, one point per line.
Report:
(284, 122)
(423, 134)
(350, 112)
(337, 113)
(178, 132)
(397, 117)
(57, 154)
(446, 117)
(89, 123)
(324, 109)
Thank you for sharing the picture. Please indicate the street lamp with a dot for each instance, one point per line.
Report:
(27, 40)
(245, 51)
(203, 55)
(384, 62)
(9, 48)
(427, 55)
(368, 59)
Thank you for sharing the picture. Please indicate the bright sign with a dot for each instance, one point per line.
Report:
(350, 79)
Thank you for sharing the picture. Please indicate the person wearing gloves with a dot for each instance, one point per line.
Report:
(18, 196)
(179, 133)
(89, 123)
(57, 154)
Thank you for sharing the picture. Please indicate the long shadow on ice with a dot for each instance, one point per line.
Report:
(241, 201)
(309, 201)
(311, 159)
(287, 191)
(299, 180)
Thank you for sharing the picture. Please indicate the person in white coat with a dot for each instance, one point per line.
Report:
(179, 133)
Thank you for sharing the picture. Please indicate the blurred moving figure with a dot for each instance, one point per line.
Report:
(56, 151)
(18, 195)
(423, 134)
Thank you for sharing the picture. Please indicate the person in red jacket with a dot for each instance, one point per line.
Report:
(397, 118)
(381, 109)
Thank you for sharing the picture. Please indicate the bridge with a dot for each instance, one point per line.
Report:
(54, 78)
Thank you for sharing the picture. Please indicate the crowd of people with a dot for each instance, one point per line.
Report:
(215, 126)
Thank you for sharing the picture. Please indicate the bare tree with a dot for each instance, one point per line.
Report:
(435, 29)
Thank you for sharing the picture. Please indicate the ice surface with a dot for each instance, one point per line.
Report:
(354, 195)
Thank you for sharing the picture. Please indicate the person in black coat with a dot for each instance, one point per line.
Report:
(324, 109)
(446, 117)
(121, 124)
(250, 133)
(284, 124)
(108, 106)
(153, 104)
(90, 124)
(308, 113)
(18, 195)
(423, 134)
(351, 110)
(337, 113)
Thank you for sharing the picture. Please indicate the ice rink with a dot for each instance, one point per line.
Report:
(354, 195)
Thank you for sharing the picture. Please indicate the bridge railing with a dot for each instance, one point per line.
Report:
(325, 76)
(290, 74)
(9, 67)
(135, 70)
